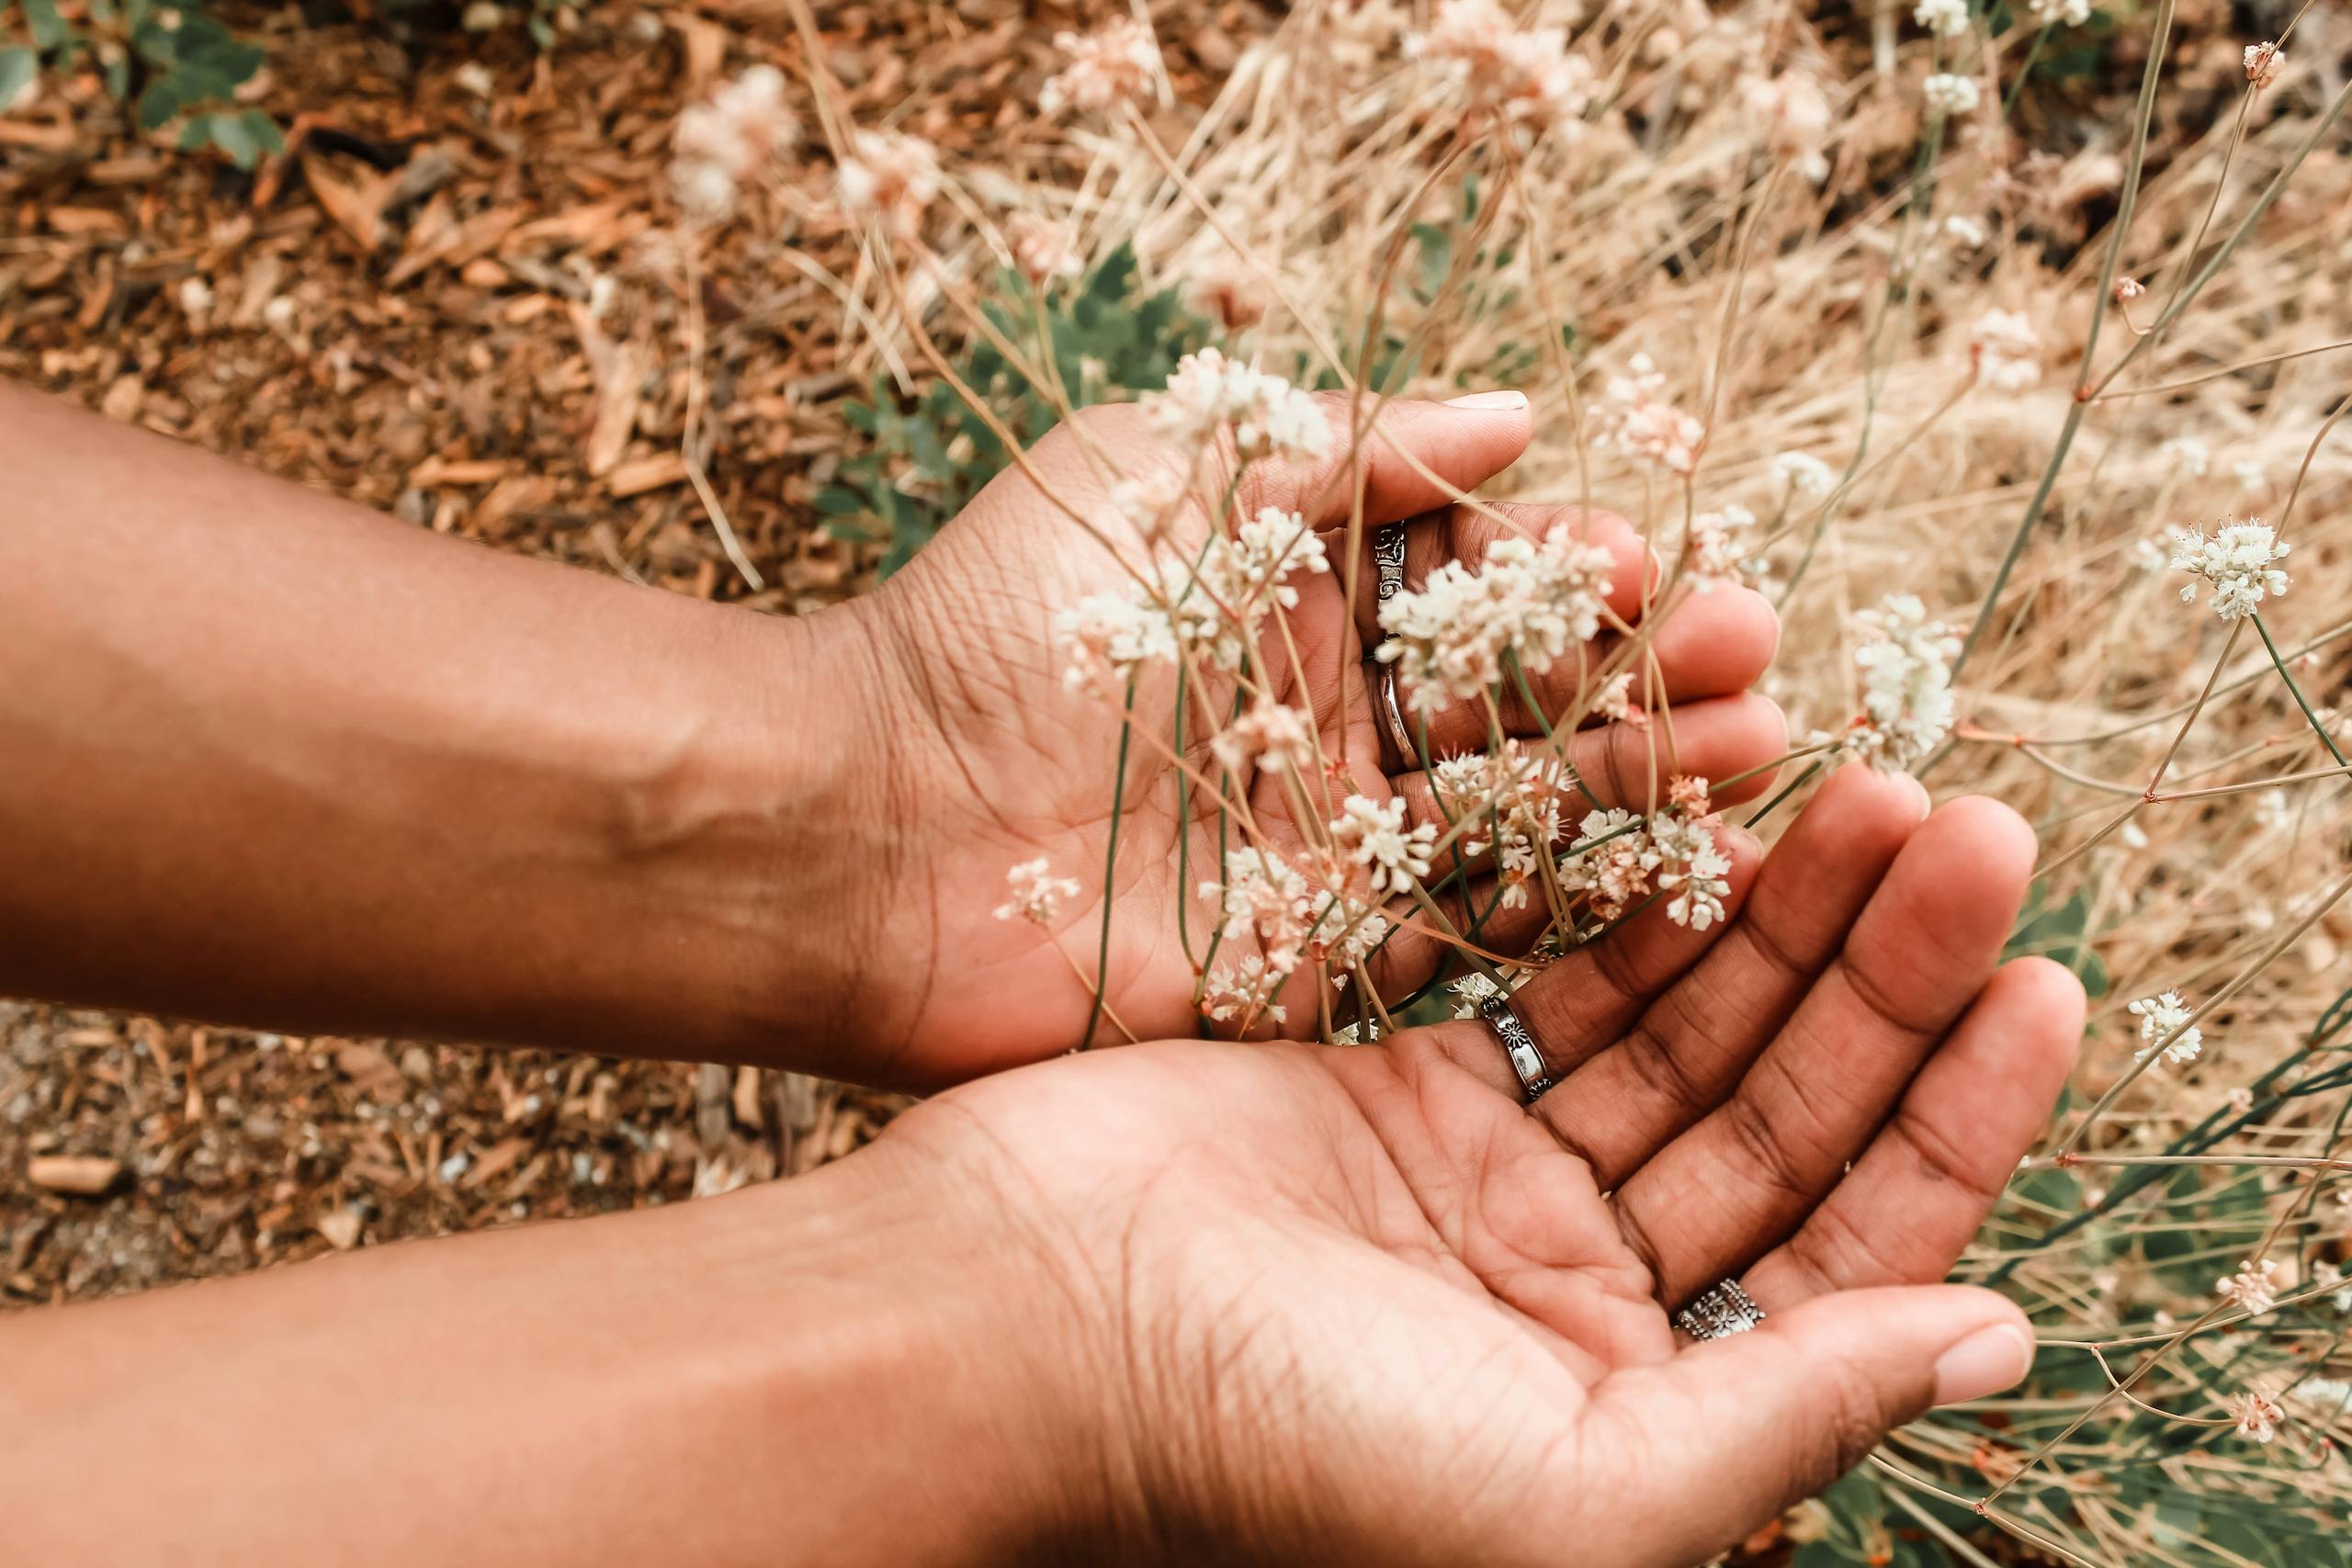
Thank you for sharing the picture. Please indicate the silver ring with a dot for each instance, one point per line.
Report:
(1526, 1061)
(1381, 676)
(1388, 561)
(1721, 1310)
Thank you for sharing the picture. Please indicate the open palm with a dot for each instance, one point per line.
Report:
(1007, 764)
(1361, 1304)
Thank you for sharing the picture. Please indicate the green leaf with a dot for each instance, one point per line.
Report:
(232, 136)
(16, 69)
(840, 501)
(48, 30)
(159, 103)
(264, 131)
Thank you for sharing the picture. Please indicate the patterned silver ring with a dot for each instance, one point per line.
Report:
(1721, 1310)
(1526, 1060)
(1387, 562)
(1381, 676)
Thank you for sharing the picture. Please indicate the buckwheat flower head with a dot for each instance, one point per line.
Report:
(2193, 456)
(1107, 638)
(1802, 473)
(2275, 810)
(1244, 988)
(2252, 1288)
(2256, 1415)
(2163, 1015)
(1943, 19)
(1469, 991)
(1276, 731)
(1265, 896)
(1255, 567)
(1523, 75)
(1374, 836)
(2004, 350)
(1534, 599)
(1341, 931)
(2058, 13)
(1634, 420)
(1037, 894)
(1613, 699)
(1149, 500)
(2129, 288)
(1713, 553)
(1115, 65)
(890, 176)
(1514, 797)
(1967, 232)
(1949, 92)
(2239, 560)
(2262, 63)
(721, 145)
(1043, 249)
(1613, 868)
(1206, 391)
(1906, 660)
(1691, 867)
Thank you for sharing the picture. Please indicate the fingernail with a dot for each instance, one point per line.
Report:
(1488, 400)
(1985, 1362)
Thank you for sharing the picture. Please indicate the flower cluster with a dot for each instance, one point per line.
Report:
(1633, 420)
(724, 145)
(2262, 63)
(1622, 858)
(2004, 350)
(2058, 13)
(1906, 661)
(1523, 76)
(891, 177)
(1714, 554)
(2252, 1288)
(1949, 92)
(2256, 1413)
(2167, 1016)
(1037, 892)
(1535, 599)
(1802, 473)
(1944, 19)
(1043, 250)
(1513, 802)
(1265, 896)
(1207, 392)
(2239, 560)
(1794, 116)
(1375, 837)
(1113, 66)
(1274, 732)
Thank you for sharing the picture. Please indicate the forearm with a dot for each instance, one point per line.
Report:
(822, 1371)
(278, 759)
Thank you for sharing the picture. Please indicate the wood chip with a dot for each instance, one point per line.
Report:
(641, 474)
(84, 1176)
(341, 1227)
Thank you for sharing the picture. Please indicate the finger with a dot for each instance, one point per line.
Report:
(1724, 1191)
(1685, 1054)
(1592, 994)
(1918, 1193)
(1704, 1447)
(1413, 457)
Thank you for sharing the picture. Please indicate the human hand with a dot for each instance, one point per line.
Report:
(996, 762)
(1361, 1304)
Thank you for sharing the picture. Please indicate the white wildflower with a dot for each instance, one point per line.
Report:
(2274, 810)
(2262, 63)
(2166, 1015)
(2058, 13)
(2256, 1415)
(1691, 867)
(1906, 660)
(1469, 991)
(1968, 233)
(1714, 554)
(1942, 18)
(1115, 65)
(891, 177)
(1374, 836)
(1802, 473)
(1276, 731)
(1243, 989)
(1107, 638)
(2328, 1398)
(1265, 896)
(1613, 871)
(2004, 350)
(1947, 93)
(1206, 391)
(2129, 288)
(2252, 1288)
(1149, 500)
(1037, 893)
(1042, 249)
(2239, 561)
(1524, 76)
(1794, 117)
(1514, 797)
(1535, 600)
(1635, 421)
(1613, 699)
(2248, 474)
(730, 141)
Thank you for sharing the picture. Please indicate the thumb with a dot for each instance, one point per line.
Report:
(1412, 457)
(1732, 1431)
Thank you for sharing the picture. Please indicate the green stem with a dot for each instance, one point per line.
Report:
(2297, 692)
(1110, 869)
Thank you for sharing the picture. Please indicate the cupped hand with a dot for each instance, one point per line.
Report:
(996, 761)
(1364, 1305)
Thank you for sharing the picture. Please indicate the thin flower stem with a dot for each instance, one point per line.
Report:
(1110, 873)
(2251, 785)
(2295, 691)
(2226, 370)
(1787, 790)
